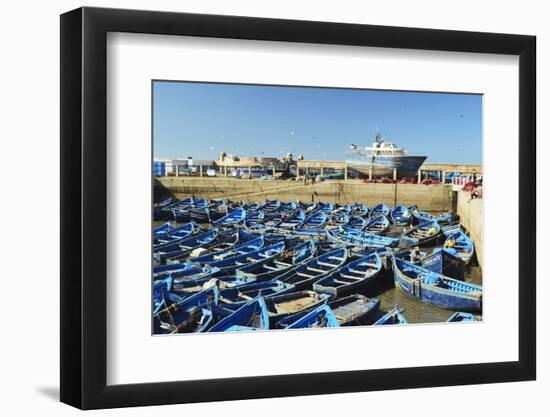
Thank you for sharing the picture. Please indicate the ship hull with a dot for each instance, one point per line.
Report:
(407, 166)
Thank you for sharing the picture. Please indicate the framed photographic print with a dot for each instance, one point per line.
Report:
(283, 208)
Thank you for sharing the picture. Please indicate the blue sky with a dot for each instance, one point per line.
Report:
(202, 119)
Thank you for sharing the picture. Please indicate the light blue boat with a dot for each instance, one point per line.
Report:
(377, 225)
(401, 215)
(460, 244)
(379, 210)
(350, 236)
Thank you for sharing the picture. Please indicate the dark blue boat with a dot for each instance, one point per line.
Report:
(394, 316)
(353, 310)
(182, 248)
(356, 222)
(274, 267)
(304, 275)
(187, 315)
(356, 277)
(380, 210)
(433, 288)
(229, 265)
(254, 219)
(377, 225)
(445, 262)
(320, 317)
(400, 215)
(251, 316)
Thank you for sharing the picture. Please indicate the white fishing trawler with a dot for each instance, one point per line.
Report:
(381, 158)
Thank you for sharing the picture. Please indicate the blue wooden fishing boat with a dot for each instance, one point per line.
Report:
(315, 220)
(433, 288)
(160, 270)
(445, 262)
(245, 292)
(254, 219)
(239, 248)
(320, 317)
(356, 277)
(235, 217)
(229, 265)
(350, 236)
(187, 315)
(380, 210)
(251, 316)
(160, 287)
(422, 234)
(270, 205)
(160, 211)
(412, 255)
(175, 234)
(461, 244)
(304, 275)
(196, 272)
(280, 306)
(275, 267)
(338, 219)
(191, 286)
(227, 240)
(359, 210)
(181, 248)
(419, 216)
(400, 215)
(353, 310)
(199, 212)
(462, 316)
(377, 225)
(394, 316)
(356, 222)
(179, 211)
(251, 206)
(326, 208)
(163, 228)
(287, 208)
(292, 221)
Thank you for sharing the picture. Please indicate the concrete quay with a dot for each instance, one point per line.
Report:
(436, 197)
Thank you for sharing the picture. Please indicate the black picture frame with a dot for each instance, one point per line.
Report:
(84, 207)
